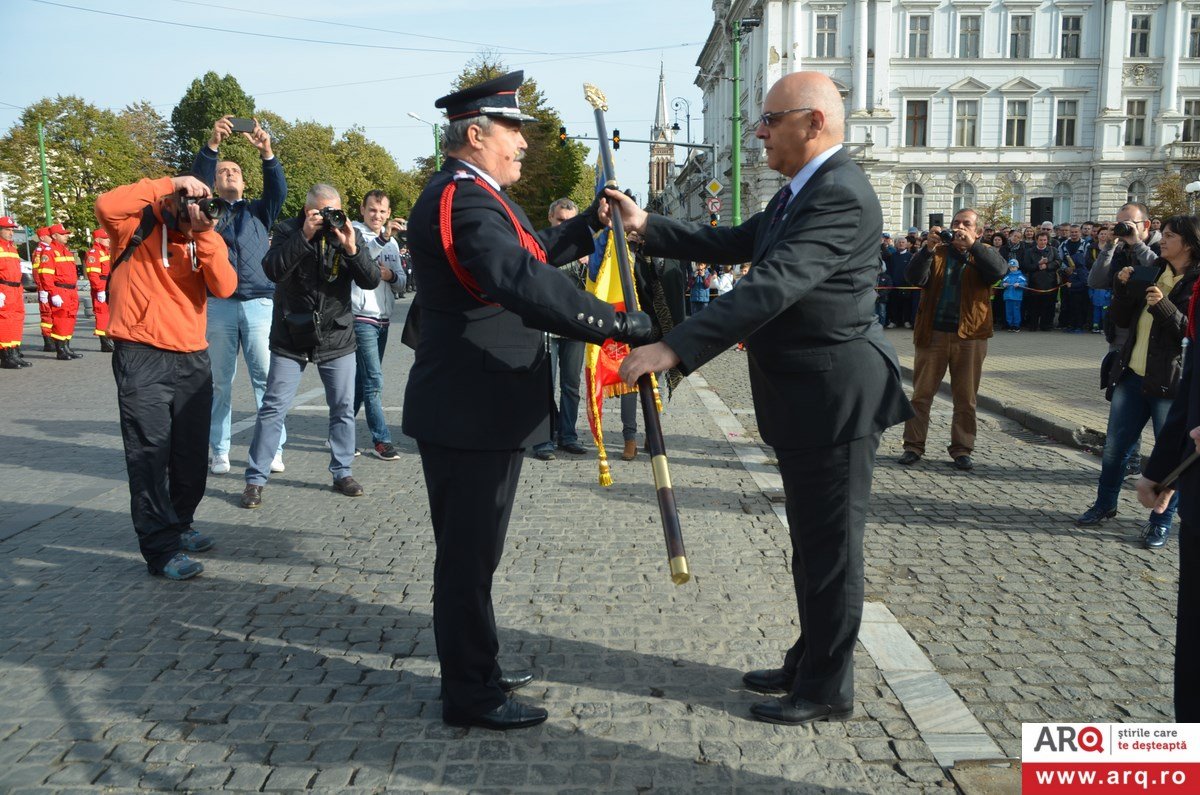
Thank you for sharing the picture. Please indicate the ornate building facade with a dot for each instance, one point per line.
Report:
(949, 103)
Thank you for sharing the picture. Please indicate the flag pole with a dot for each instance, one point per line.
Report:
(672, 532)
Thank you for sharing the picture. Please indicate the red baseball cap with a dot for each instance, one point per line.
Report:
(100, 233)
(58, 229)
(42, 231)
(6, 222)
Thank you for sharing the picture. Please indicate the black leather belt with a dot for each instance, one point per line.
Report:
(69, 286)
(7, 283)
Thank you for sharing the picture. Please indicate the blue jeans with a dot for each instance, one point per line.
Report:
(1012, 313)
(881, 312)
(566, 366)
(233, 324)
(697, 306)
(1127, 416)
(368, 378)
(338, 377)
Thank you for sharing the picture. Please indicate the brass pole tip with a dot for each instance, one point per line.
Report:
(679, 570)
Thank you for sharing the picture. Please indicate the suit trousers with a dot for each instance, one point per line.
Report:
(470, 500)
(964, 359)
(1187, 626)
(827, 491)
(165, 399)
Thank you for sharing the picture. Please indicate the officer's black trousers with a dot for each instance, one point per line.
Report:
(165, 401)
(470, 500)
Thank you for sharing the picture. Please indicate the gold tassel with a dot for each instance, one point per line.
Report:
(605, 473)
(657, 395)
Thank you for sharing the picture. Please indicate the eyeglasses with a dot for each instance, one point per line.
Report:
(769, 119)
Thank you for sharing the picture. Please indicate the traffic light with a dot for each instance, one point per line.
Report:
(562, 136)
(616, 139)
(713, 218)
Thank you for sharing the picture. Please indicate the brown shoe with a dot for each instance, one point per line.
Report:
(252, 496)
(348, 486)
(630, 451)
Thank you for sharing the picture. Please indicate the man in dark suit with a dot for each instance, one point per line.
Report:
(825, 381)
(479, 391)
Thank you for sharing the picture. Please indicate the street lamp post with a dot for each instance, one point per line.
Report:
(739, 27)
(437, 141)
(1192, 188)
(45, 177)
(676, 105)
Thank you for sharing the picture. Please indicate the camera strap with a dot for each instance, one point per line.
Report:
(144, 228)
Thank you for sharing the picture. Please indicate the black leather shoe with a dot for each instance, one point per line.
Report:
(1094, 516)
(543, 455)
(1156, 535)
(793, 711)
(909, 458)
(512, 714)
(769, 680)
(574, 448)
(511, 682)
(252, 496)
(348, 486)
(964, 463)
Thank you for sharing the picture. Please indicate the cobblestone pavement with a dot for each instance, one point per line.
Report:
(304, 657)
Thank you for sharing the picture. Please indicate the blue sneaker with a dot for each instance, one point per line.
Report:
(1155, 536)
(181, 567)
(1094, 516)
(191, 540)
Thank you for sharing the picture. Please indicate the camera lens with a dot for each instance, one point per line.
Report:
(335, 218)
(1123, 229)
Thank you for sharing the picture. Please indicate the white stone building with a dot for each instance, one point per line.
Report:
(953, 102)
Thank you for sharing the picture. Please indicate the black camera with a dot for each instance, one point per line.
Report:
(946, 236)
(1124, 229)
(333, 217)
(212, 208)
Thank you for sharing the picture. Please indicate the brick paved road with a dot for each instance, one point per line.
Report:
(304, 656)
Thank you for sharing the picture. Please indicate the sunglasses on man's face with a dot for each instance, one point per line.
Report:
(771, 118)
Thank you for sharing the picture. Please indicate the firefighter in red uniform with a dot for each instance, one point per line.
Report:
(42, 279)
(64, 293)
(97, 268)
(12, 299)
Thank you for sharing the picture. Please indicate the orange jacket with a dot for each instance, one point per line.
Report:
(156, 300)
(43, 266)
(10, 265)
(97, 267)
(58, 268)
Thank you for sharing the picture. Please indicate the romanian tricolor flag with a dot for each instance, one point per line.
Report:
(601, 362)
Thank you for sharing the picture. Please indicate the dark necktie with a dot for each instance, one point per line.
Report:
(781, 207)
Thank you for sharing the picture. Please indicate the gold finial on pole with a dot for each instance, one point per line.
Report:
(595, 97)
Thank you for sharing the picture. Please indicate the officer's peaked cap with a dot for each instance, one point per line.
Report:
(496, 98)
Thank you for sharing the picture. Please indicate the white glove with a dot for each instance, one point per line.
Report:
(102, 296)
(3, 298)
(43, 296)
(56, 300)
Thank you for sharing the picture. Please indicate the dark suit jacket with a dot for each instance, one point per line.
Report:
(820, 369)
(481, 379)
(1172, 443)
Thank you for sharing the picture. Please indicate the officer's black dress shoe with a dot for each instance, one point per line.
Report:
(794, 711)
(769, 680)
(909, 458)
(511, 682)
(964, 462)
(512, 714)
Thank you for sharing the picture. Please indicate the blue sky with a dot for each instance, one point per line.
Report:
(112, 60)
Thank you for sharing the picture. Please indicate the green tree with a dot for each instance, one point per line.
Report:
(207, 99)
(1169, 197)
(151, 136)
(997, 212)
(549, 170)
(88, 151)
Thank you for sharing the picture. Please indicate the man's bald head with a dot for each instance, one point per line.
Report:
(815, 90)
(803, 116)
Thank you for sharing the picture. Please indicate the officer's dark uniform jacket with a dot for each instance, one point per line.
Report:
(305, 281)
(481, 379)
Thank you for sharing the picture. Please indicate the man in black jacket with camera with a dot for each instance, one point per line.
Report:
(313, 259)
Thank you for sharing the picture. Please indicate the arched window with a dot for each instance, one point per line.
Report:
(1017, 210)
(964, 196)
(1062, 203)
(1137, 192)
(914, 205)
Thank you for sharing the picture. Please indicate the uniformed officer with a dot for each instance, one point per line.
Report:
(479, 391)
(62, 286)
(12, 299)
(41, 279)
(97, 268)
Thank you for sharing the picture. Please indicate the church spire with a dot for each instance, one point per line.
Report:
(662, 151)
(660, 114)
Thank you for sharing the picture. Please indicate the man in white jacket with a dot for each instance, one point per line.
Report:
(372, 315)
